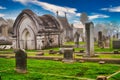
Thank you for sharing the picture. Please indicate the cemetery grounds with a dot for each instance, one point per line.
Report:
(38, 69)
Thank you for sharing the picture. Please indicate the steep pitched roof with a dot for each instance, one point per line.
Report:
(45, 23)
(64, 22)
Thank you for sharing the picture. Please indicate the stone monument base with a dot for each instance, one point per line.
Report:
(21, 71)
(101, 78)
(68, 61)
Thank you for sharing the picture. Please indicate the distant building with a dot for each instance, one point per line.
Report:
(79, 28)
(4, 32)
(67, 29)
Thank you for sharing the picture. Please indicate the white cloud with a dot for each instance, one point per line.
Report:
(78, 14)
(1, 7)
(23, 1)
(98, 16)
(78, 25)
(2, 15)
(51, 7)
(112, 9)
(76, 21)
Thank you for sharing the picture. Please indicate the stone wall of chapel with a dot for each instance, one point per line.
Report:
(27, 34)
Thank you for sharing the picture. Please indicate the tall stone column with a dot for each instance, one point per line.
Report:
(89, 33)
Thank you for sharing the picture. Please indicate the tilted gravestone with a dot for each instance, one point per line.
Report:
(21, 61)
(89, 32)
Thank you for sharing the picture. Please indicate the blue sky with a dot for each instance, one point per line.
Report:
(97, 10)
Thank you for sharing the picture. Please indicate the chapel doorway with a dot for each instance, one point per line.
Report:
(26, 39)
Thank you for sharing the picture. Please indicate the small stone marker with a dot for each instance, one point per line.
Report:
(40, 54)
(52, 52)
(68, 55)
(116, 52)
(81, 51)
(101, 62)
(101, 78)
(21, 61)
(81, 61)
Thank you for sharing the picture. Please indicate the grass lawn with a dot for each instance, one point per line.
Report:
(54, 70)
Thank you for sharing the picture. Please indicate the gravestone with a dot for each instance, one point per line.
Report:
(100, 40)
(107, 42)
(68, 55)
(116, 44)
(77, 35)
(89, 32)
(21, 61)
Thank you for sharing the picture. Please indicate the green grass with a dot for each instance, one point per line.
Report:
(96, 48)
(73, 43)
(115, 56)
(53, 70)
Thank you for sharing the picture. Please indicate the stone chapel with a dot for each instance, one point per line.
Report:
(31, 31)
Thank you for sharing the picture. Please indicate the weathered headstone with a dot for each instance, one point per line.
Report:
(21, 61)
(116, 52)
(89, 29)
(100, 40)
(77, 35)
(68, 55)
(116, 44)
(107, 43)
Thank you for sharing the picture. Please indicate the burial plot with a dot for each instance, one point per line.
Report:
(68, 54)
(89, 32)
(21, 61)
